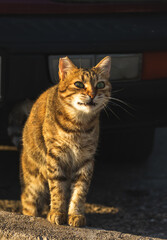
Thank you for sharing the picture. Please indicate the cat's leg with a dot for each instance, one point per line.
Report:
(58, 187)
(32, 187)
(31, 200)
(80, 187)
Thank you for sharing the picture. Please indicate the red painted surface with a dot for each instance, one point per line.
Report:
(154, 65)
(60, 7)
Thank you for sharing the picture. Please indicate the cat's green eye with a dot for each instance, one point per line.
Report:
(79, 84)
(100, 85)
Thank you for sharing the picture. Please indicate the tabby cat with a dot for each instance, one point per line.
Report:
(59, 142)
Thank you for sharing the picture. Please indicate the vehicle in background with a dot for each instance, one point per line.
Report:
(34, 34)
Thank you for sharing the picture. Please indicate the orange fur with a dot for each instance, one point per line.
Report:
(59, 142)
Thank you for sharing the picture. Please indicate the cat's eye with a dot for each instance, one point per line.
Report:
(100, 85)
(79, 84)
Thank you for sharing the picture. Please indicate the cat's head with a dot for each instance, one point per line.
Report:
(86, 90)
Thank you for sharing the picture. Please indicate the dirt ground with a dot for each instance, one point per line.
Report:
(117, 200)
(138, 213)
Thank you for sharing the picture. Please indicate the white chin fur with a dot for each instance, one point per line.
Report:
(85, 108)
(82, 108)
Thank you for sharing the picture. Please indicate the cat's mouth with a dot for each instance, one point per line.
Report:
(91, 103)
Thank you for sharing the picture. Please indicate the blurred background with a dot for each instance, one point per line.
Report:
(131, 161)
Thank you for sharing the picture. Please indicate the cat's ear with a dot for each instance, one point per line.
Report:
(65, 65)
(104, 66)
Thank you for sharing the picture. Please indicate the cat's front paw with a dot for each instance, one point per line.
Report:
(57, 218)
(76, 220)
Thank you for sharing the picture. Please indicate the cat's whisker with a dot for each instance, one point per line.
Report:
(118, 105)
(104, 107)
(106, 112)
(121, 101)
(116, 91)
(113, 112)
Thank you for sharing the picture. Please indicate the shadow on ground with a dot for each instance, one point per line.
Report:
(116, 200)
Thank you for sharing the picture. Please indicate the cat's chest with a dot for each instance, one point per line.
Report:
(74, 145)
(81, 146)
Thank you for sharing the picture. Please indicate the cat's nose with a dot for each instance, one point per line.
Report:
(91, 95)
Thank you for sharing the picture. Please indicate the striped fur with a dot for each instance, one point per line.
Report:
(59, 142)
